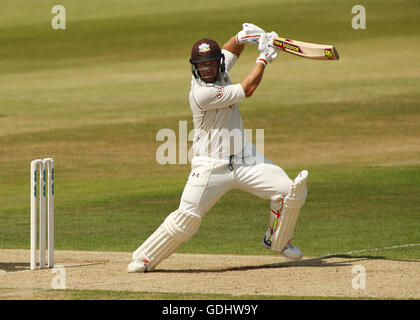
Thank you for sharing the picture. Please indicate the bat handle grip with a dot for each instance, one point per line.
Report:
(262, 43)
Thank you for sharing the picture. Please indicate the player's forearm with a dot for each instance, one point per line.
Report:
(233, 46)
(253, 79)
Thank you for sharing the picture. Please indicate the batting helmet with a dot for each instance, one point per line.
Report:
(207, 50)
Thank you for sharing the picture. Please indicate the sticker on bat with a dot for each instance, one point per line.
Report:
(284, 45)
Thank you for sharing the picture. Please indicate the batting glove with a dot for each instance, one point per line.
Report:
(250, 33)
(267, 53)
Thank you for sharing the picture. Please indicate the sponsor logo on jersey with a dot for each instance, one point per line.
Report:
(220, 93)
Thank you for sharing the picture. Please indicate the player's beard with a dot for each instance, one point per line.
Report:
(209, 78)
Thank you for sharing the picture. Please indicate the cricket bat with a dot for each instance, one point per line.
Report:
(305, 49)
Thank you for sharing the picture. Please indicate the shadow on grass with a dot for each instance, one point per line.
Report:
(24, 266)
(14, 266)
(312, 262)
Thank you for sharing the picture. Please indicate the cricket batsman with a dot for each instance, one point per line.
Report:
(223, 160)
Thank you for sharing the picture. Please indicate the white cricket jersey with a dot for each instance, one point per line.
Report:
(217, 121)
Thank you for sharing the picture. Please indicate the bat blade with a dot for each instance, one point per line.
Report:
(306, 49)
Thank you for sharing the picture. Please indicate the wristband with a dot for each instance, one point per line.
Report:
(262, 61)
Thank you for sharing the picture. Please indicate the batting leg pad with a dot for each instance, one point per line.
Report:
(293, 202)
(177, 228)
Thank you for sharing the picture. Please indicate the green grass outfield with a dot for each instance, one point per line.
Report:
(94, 96)
(130, 295)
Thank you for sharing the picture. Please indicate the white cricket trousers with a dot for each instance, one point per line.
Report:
(211, 178)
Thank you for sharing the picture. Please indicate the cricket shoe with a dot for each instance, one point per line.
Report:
(136, 266)
(290, 251)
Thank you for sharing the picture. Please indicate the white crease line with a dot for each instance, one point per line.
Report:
(103, 283)
(112, 282)
(15, 293)
(374, 249)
